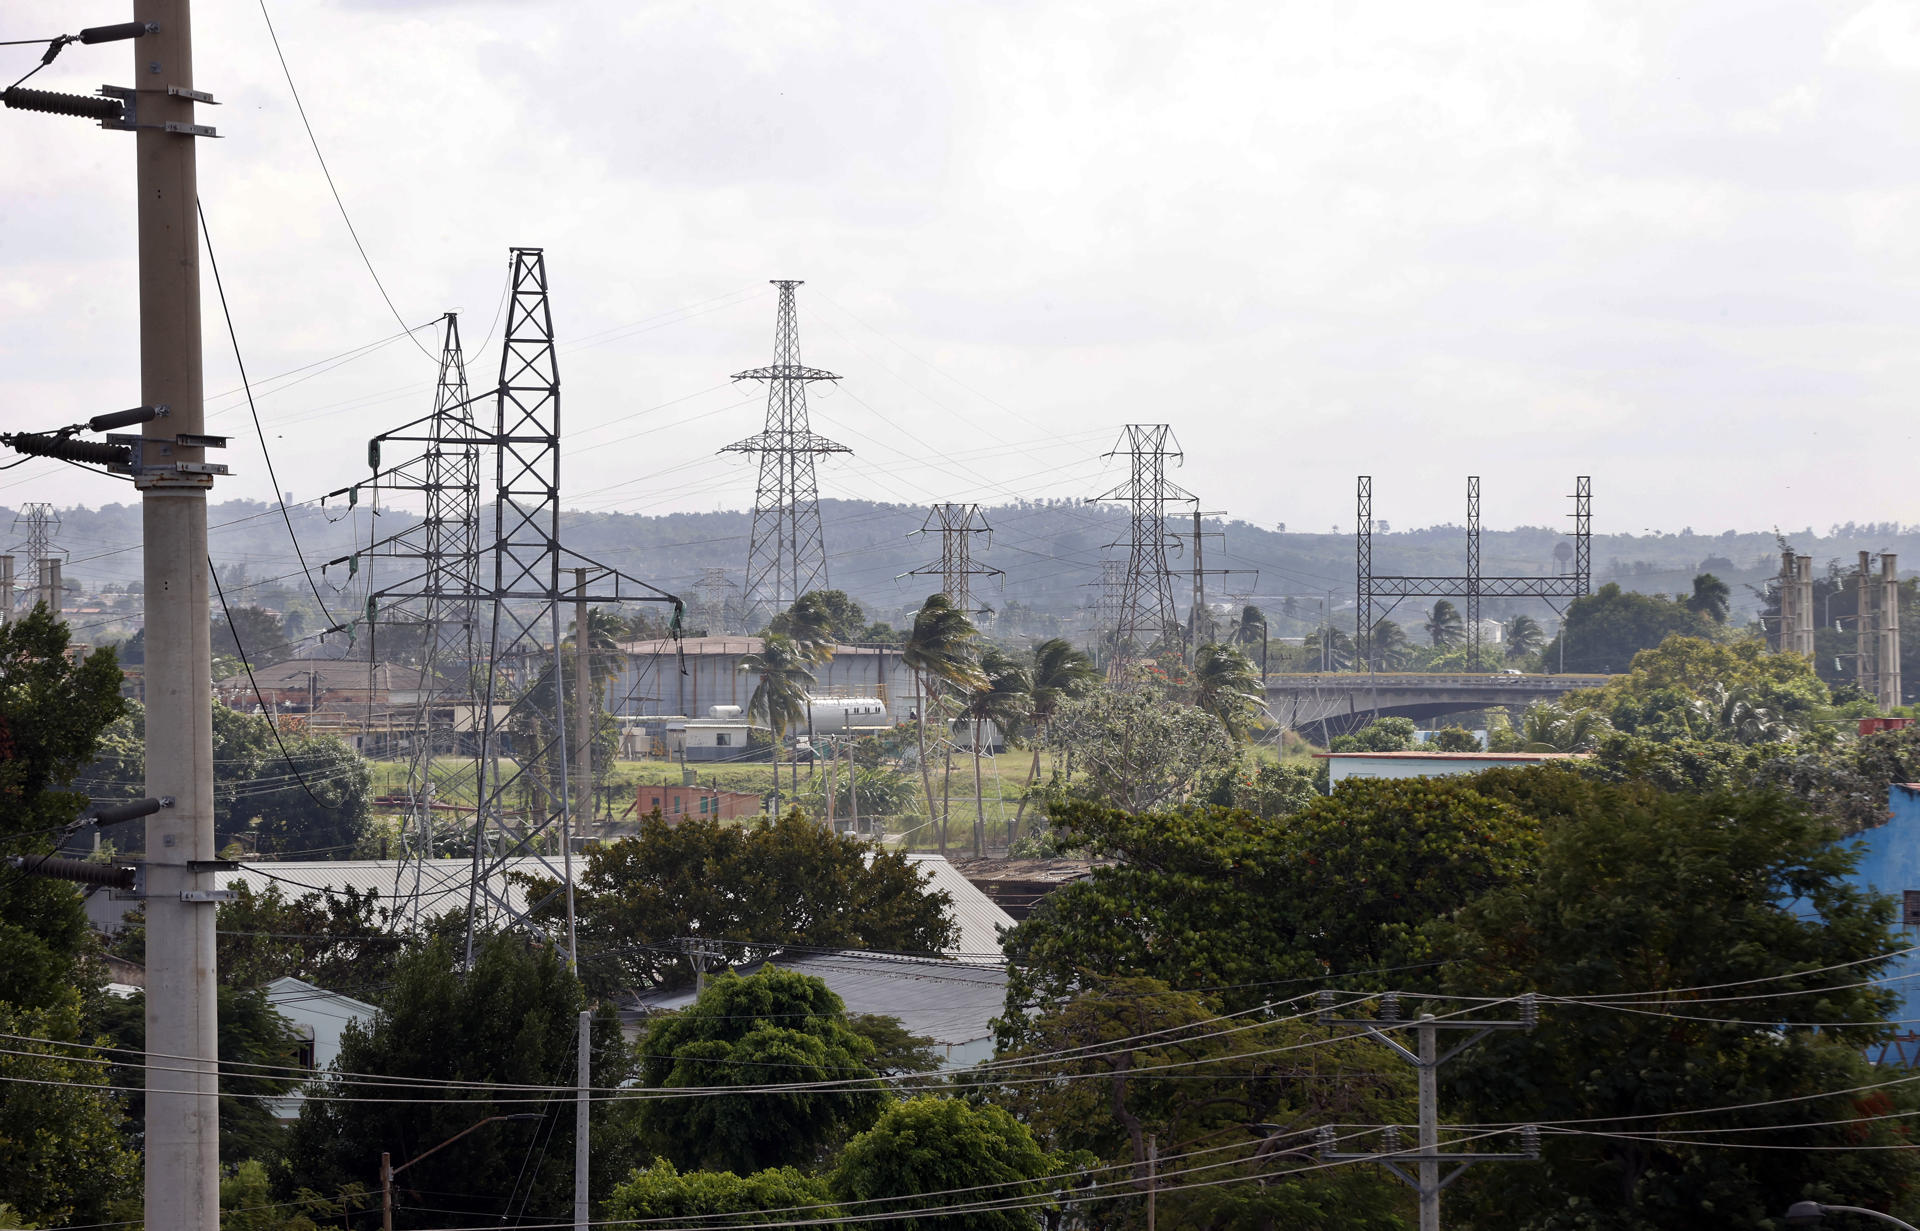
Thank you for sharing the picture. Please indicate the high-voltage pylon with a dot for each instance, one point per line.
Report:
(958, 523)
(715, 600)
(38, 527)
(1371, 587)
(431, 605)
(523, 699)
(1146, 615)
(787, 553)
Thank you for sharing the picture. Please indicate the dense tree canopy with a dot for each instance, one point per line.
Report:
(777, 1195)
(775, 1026)
(783, 882)
(1136, 751)
(933, 1145)
(512, 1019)
(1605, 629)
(1738, 903)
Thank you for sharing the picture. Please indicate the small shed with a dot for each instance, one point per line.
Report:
(320, 1018)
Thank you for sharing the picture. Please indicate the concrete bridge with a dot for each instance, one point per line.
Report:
(1348, 700)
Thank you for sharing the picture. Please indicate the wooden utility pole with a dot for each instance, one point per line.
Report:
(182, 1124)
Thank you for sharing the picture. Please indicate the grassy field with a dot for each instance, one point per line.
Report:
(1003, 780)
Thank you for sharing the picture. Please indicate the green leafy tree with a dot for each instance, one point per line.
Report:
(510, 1020)
(1129, 1058)
(1445, 626)
(779, 692)
(1059, 674)
(253, 633)
(777, 1195)
(1226, 685)
(1136, 752)
(1680, 688)
(775, 1026)
(346, 940)
(1772, 958)
(778, 883)
(1605, 629)
(1266, 790)
(1454, 739)
(939, 652)
(931, 1144)
(1709, 598)
(258, 1049)
(1547, 727)
(62, 1159)
(823, 618)
(1389, 734)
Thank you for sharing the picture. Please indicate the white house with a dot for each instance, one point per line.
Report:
(320, 1018)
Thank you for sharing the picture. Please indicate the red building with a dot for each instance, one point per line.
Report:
(675, 802)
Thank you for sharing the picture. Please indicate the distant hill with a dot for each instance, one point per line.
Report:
(1049, 551)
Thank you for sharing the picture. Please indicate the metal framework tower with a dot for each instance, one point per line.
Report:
(956, 569)
(1370, 587)
(1146, 616)
(787, 553)
(435, 600)
(522, 688)
(38, 527)
(715, 602)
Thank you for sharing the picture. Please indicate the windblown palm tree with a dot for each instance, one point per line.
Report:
(779, 693)
(1388, 646)
(1445, 626)
(1227, 686)
(1523, 636)
(939, 652)
(1002, 703)
(1710, 598)
(809, 622)
(1059, 673)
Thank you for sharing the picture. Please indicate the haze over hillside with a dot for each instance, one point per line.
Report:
(1050, 553)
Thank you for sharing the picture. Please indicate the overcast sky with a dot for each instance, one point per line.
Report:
(1670, 245)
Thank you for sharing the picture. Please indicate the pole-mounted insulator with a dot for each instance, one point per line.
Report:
(1530, 1010)
(84, 106)
(1390, 1007)
(68, 449)
(114, 33)
(125, 418)
(80, 871)
(1325, 1139)
(119, 813)
(1530, 1140)
(1324, 1005)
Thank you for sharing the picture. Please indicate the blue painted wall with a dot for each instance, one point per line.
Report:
(1890, 863)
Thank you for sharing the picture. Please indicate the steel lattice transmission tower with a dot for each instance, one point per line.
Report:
(715, 602)
(435, 599)
(958, 524)
(787, 554)
(1146, 615)
(38, 525)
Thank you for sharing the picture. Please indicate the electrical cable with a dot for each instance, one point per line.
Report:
(266, 454)
(284, 753)
(331, 186)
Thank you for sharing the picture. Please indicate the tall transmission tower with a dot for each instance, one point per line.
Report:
(787, 554)
(715, 602)
(435, 602)
(523, 701)
(1146, 615)
(958, 524)
(38, 528)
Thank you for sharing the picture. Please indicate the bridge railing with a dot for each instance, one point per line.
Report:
(1342, 680)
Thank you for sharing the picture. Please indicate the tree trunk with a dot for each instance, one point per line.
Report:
(1033, 776)
(776, 776)
(926, 770)
(946, 784)
(979, 800)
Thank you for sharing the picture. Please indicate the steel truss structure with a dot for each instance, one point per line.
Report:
(40, 525)
(1370, 588)
(787, 553)
(522, 689)
(958, 523)
(1146, 614)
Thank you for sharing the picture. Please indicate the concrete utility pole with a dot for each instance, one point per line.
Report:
(580, 1107)
(182, 1129)
(1427, 1059)
(6, 590)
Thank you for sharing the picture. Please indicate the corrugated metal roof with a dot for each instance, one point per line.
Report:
(981, 920)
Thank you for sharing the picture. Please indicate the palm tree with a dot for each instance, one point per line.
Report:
(780, 694)
(1059, 673)
(1523, 636)
(1710, 598)
(938, 652)
(1548, 728)
(1389, 646)
(1444, 626)
(1331, 645)
(1227, 686)
(810, 623)
(1250, 633)
(1001, 703)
